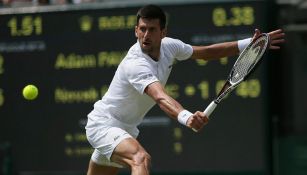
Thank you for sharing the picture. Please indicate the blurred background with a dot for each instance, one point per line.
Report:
(70, 49)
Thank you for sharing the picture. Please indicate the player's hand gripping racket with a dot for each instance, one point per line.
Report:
(243, 67)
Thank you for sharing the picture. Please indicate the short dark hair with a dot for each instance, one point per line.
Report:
(152, 12)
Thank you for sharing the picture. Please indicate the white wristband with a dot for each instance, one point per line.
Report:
(183, 117)
(243, 43)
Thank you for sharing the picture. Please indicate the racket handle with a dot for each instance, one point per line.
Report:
(210, 109)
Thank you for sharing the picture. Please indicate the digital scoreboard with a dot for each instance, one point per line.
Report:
(72, 55)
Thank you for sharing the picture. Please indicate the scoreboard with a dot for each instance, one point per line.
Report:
(72, 55)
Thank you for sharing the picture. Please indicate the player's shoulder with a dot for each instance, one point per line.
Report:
(171, 43)
(134, 60)
(169, 40)
(134, 52)
(132, 67)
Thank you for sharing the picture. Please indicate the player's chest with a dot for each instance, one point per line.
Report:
(163, 69)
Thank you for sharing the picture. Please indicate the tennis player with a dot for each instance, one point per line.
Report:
(138, 85)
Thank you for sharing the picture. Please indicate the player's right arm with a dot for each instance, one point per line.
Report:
(173, 108)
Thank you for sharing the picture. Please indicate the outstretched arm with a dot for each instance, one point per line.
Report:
(215, 51)
(173, 109)
(226, 49)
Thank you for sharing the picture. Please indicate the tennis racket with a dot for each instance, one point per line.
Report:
(243, 67)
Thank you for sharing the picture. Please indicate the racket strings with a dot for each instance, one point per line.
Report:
(248, 59)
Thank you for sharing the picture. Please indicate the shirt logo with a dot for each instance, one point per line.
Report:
(117, 137)
(147, 76)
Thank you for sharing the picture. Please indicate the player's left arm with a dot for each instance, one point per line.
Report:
(227, 49)
(215, 51)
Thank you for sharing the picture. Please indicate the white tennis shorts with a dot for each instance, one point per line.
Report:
(105, 135)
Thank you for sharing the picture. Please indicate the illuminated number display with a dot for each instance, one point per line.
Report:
(234, 16)
(25, 26)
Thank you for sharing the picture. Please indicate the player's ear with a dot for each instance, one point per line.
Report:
(164, 32)
(135, 31)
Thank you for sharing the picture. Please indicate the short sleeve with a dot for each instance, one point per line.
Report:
(140, 76)
(181, 50)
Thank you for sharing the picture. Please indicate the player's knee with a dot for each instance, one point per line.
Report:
(141, 158)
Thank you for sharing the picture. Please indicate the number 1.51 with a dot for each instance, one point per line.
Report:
(26, 26)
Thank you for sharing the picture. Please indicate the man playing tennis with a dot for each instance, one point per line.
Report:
(138, 84)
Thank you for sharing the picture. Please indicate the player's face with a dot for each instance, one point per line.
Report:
(150, 35)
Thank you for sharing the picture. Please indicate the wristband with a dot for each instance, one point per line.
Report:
(183, 117)
(243, 43)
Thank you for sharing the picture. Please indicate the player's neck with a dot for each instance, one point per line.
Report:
(154, 56)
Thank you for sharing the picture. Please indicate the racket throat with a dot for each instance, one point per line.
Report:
(224, 92)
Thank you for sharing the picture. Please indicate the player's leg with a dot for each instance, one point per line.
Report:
(95, 169)
(100, 165)
(129, 152)
(115, 147)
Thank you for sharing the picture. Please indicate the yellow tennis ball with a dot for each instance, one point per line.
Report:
(30, 92)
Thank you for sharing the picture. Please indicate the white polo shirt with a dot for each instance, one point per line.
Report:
(125, 100)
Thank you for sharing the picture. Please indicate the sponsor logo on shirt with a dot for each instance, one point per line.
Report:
(147, 76)
(117, 137)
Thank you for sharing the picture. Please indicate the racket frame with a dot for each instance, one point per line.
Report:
(229, 86)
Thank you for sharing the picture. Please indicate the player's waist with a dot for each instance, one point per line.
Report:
(101, 120)
(107, 118)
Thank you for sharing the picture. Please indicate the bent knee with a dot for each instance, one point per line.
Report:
(130, 153)
(141, 158)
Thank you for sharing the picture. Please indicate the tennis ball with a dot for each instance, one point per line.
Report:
(30, 92)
